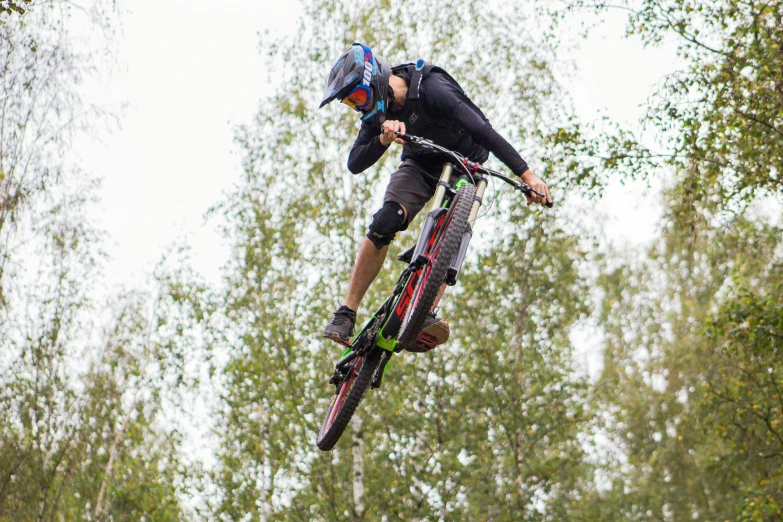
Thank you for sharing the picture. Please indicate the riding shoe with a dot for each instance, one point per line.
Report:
(340, 329)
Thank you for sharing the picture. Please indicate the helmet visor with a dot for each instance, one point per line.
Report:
(359, 98)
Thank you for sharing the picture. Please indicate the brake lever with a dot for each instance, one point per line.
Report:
(527, 190)
(409, 138)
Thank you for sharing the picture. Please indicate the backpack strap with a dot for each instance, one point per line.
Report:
(416, 76)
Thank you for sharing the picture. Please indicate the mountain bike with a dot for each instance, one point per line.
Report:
(433, 262)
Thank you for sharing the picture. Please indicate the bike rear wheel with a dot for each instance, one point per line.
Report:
(433, 274)
(347, 399)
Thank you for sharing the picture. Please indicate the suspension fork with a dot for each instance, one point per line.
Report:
(459, 257)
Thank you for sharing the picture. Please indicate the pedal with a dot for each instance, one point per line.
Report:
(406, 256)
(425, 343)
(336, 338)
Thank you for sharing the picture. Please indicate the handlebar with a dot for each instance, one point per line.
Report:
(517, 184)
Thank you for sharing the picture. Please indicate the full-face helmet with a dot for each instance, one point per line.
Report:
(360, 80)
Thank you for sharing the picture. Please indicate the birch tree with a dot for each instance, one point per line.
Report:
(82, 382)
(692, 357)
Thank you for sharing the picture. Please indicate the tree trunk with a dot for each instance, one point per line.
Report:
(358, 468)
(112, 456)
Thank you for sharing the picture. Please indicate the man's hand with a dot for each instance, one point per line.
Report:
(388, 129)
(539, 186)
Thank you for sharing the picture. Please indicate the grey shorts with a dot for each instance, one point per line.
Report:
(411, 186)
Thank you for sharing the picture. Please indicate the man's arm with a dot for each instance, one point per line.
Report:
(486, 136)
(366, 150)
(448, 100)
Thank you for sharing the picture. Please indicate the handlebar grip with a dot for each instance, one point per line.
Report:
(403, 137)
(550, 204)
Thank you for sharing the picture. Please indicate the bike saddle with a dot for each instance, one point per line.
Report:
(406, 256)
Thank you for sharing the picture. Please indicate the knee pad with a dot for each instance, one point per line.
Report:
(385, 224)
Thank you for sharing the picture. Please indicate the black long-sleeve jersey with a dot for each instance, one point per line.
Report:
(466, 129)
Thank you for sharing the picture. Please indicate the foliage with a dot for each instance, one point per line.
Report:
(656, 389)
(745, 391)
(689, 386)
(41, 110)
(79, 436)
(8, 7)
(521, 408)
(85, 385)
(719, 118)
(685, 421)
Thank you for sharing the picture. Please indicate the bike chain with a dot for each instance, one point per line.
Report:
(370, 335)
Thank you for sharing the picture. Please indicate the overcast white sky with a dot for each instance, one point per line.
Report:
(190, 70)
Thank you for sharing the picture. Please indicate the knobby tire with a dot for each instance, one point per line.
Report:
(358, 385)
(427, 288)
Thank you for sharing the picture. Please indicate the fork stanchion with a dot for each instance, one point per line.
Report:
(480, 187)
(445, 177)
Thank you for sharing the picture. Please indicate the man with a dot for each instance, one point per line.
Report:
(425, 101)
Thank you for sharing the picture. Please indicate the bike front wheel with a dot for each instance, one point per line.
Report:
(433, 275)
(347, 398)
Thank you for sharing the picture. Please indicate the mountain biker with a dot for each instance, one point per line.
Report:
(425, 101)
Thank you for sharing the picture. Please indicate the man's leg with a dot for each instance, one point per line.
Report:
(368, 264)
(385, 224)
(389, 220)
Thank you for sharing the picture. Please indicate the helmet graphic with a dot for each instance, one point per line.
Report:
(360, 80)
